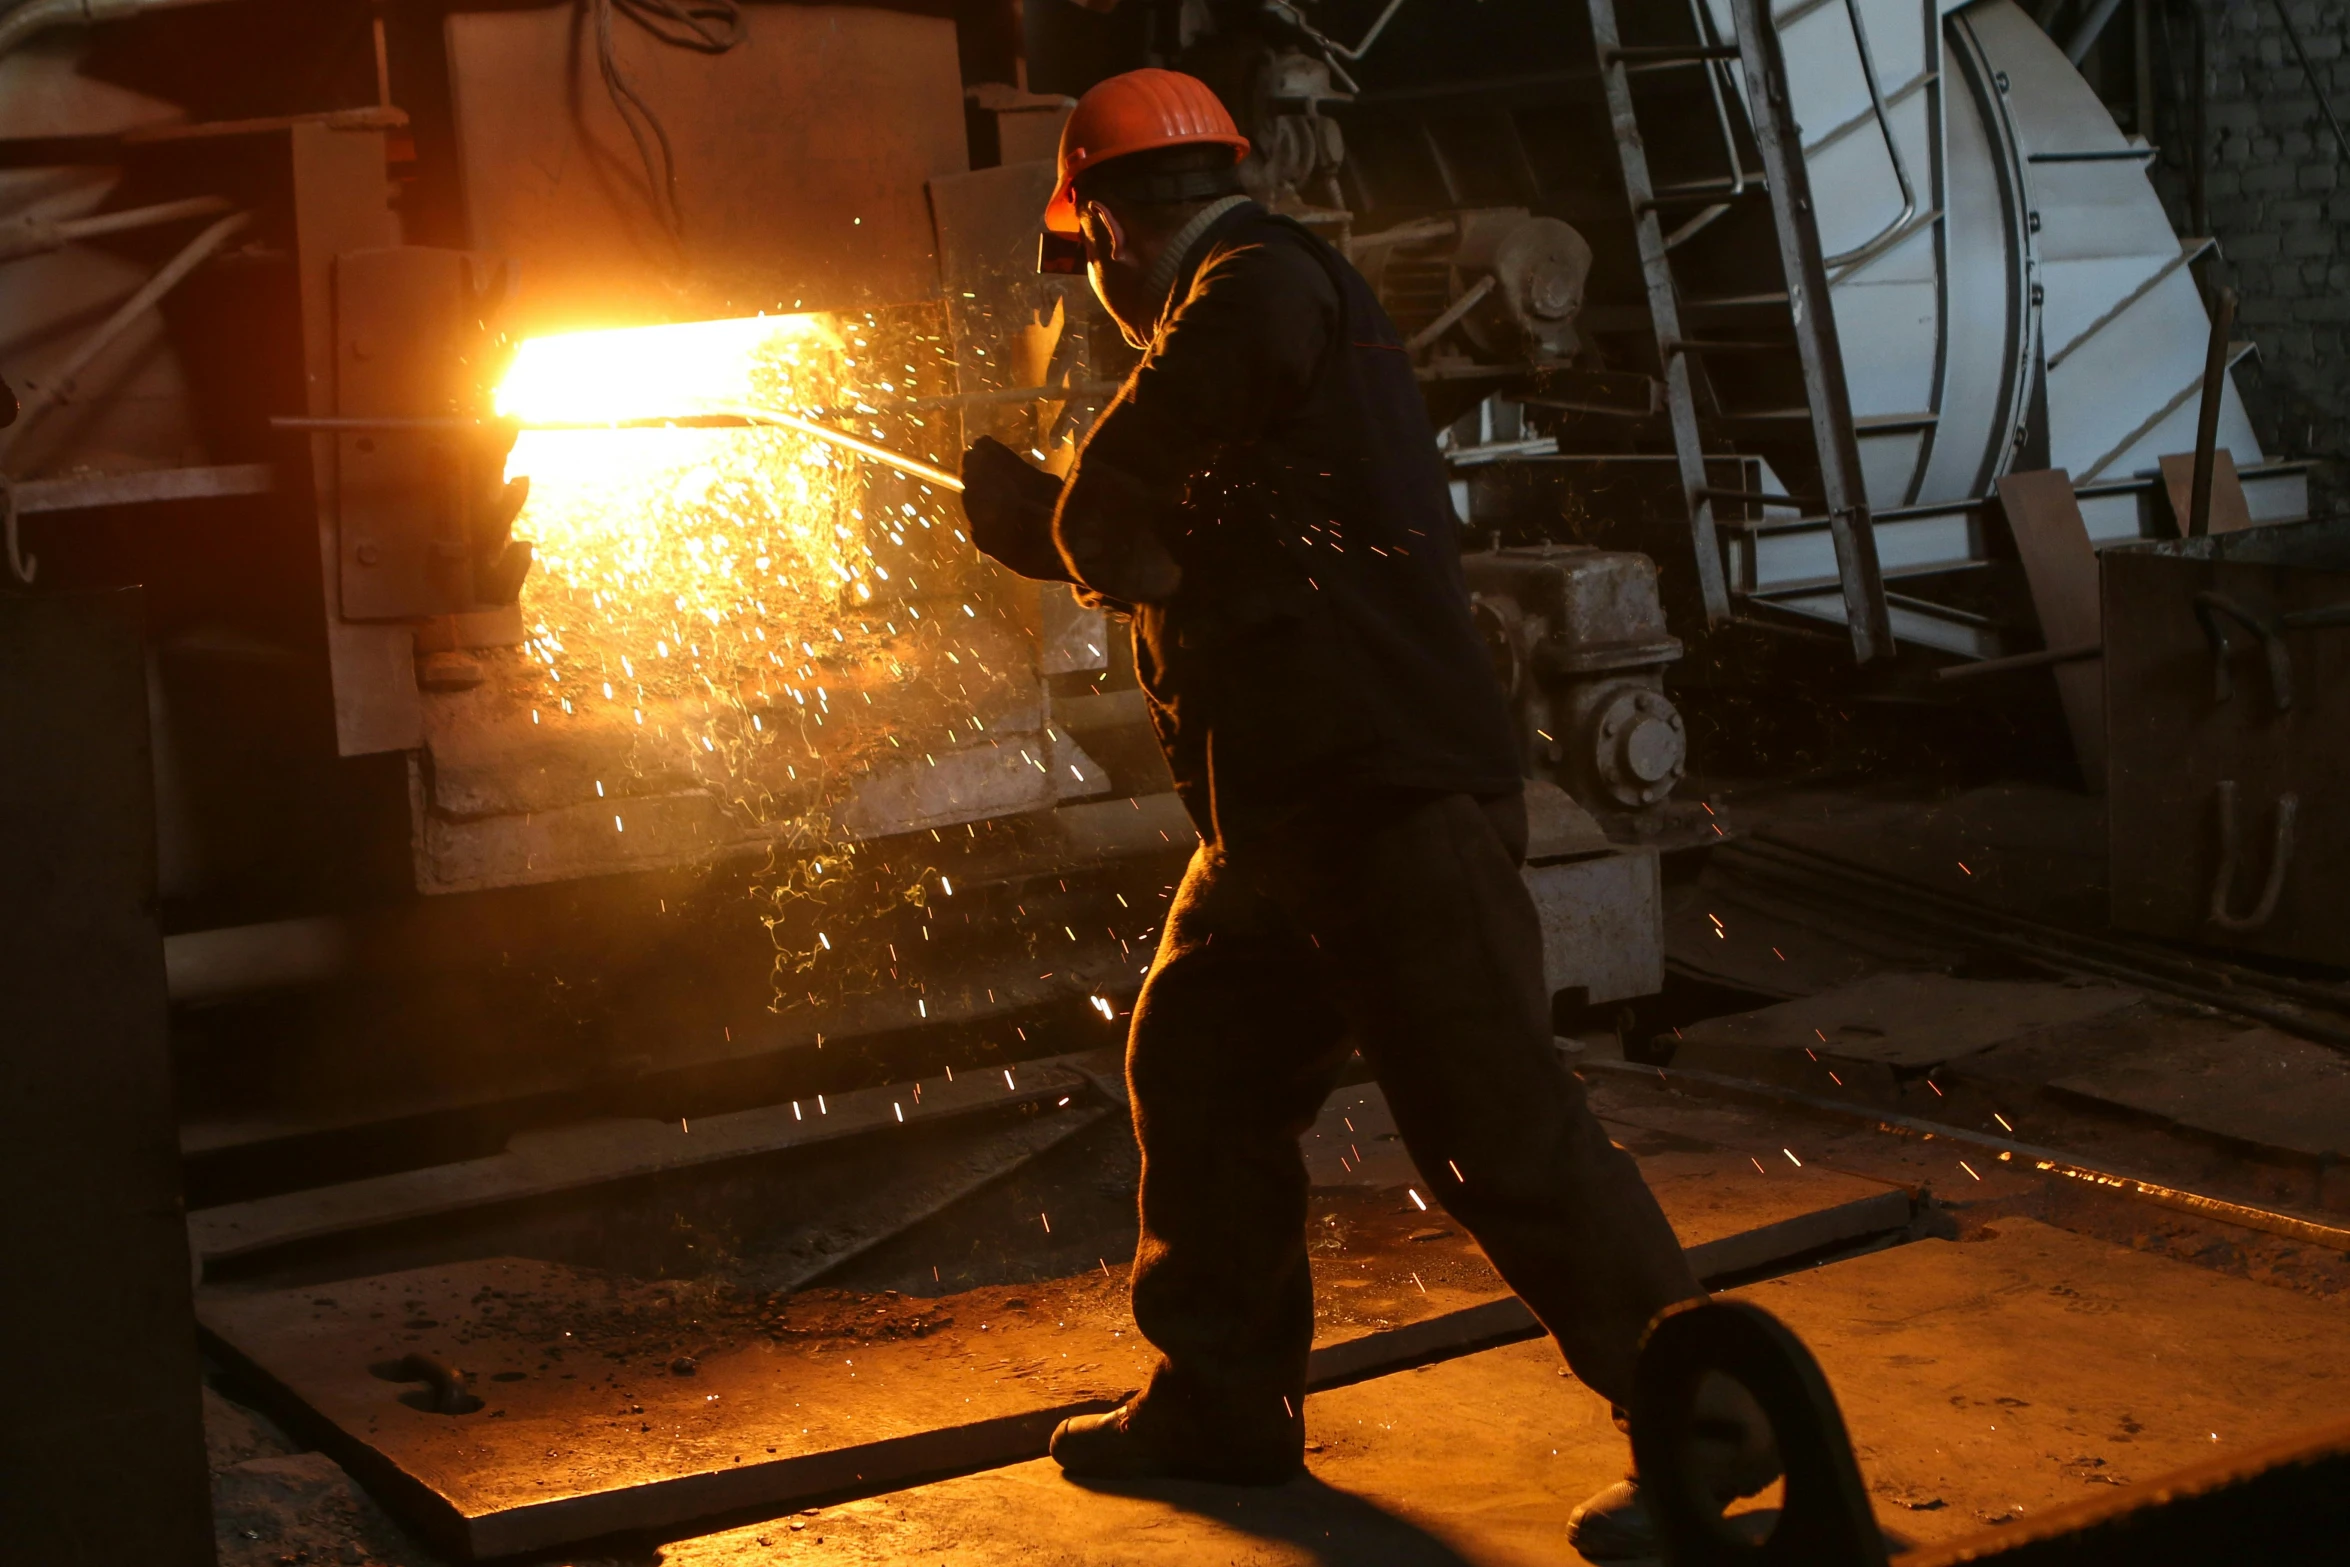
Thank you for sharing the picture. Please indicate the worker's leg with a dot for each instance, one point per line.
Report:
(1232, 1052)
(1434, 950)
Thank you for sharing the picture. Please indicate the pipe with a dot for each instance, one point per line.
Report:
(2215, 377)
(32, 237)
(39, 16)
(24, 567)
(61, 384)
(242, 960)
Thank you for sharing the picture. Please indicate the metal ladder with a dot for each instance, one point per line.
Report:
(1810, 320)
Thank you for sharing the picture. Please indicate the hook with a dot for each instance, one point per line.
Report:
(2231, 852)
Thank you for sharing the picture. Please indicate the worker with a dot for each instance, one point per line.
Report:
(1263, 497)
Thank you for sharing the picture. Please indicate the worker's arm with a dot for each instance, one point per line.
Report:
(1235, 354)
(1009, 504)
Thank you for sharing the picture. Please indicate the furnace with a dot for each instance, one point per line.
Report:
(534, 830)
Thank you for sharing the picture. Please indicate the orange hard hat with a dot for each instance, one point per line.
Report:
(1136, 112)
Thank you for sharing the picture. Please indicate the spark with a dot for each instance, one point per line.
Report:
(899, 1108)
(1417, 1201)
(2003, 1121)
(1970, 1169)
(1456, 1172)
(1791, 1159)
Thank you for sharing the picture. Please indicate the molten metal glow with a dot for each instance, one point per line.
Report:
(663, 372)
(749, 619)
(684, 578)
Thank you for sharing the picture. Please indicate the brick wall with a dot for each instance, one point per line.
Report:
(2278, 197)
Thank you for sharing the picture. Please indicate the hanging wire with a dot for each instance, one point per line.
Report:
(703, 26)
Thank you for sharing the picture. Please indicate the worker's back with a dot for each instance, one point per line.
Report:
(1321, 640)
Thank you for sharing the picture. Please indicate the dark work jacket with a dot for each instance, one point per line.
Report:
(1275, 441)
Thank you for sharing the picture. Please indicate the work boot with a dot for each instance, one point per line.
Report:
(1113, 1446)
(1736, 1456)
(1613, 1526)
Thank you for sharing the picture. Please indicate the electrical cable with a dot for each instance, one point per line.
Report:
(704, 26)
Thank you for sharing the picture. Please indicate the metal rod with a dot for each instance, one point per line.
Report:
(1452, 315)
(1891, 232)
(2046, 1161)
(912, 467)
(735, 417)
(2215, 376)
(2042, 659)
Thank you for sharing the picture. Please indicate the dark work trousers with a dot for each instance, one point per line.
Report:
(1400, 928)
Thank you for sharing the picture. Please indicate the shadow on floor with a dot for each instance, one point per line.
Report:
(1338, 1527)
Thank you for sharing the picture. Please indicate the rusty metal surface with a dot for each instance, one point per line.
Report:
(588, 1425)
(800, 161)
(609, 1404)
(2229, 695)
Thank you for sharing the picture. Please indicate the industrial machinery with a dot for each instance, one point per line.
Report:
(541, 713)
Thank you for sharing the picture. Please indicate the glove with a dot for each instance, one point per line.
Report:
(1009, 503)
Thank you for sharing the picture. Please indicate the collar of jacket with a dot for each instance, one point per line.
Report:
(1184, 253)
